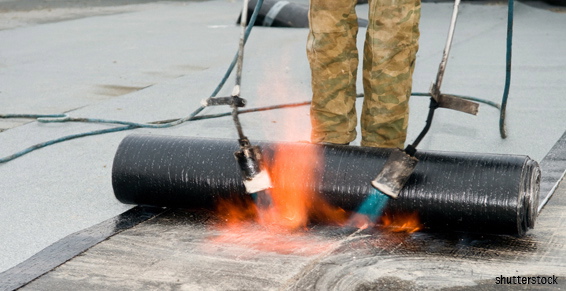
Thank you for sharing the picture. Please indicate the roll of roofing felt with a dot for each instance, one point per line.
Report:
(485, 193)
(279, 13)
(282, 13)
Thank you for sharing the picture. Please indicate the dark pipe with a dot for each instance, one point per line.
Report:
(484, 193)
(281, 13)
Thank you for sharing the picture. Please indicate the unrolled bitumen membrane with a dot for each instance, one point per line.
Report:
(452, 191)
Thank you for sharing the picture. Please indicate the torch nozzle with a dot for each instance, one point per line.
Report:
(395, 173)
(262, 199)
(249, 159)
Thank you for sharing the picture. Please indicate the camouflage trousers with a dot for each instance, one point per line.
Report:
(390, 49)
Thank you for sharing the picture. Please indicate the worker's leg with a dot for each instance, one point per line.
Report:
(389, 58)
(333, 58)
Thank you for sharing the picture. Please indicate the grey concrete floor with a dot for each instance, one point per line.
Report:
(158, 60)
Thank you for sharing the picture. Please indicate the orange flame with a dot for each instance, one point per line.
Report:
(401, 222)
(360, 221)
(293, 201)
(233, 212)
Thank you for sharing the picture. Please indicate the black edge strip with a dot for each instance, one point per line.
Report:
(553, 168)
(73, 245)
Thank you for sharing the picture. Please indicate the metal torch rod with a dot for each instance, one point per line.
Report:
(236, 91)
(442, 66)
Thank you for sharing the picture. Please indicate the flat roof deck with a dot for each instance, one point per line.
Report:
(157, 61)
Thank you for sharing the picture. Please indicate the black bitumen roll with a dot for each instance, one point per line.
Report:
(486, 193)
(276, 13)
(282, 13)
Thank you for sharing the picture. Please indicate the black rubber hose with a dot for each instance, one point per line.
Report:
(473, 192)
